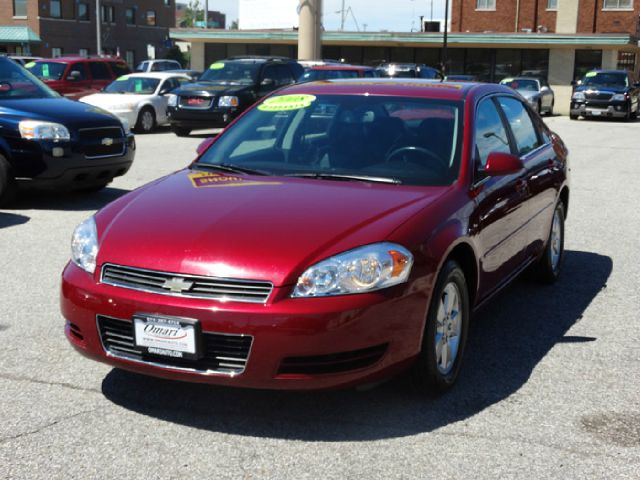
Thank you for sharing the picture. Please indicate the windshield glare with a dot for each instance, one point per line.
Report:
(312, 75)
(526, 85)
(236, 72)
(415, 141)
(606, 79)
(18, 83)
(136, 85)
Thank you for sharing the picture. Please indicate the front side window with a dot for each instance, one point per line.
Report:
(151, 17)
(522, 127)
(618, 4)
(490, 134)
(54, 9)
(486, 5)
(412, 141)
(83, 11)
(19, 8)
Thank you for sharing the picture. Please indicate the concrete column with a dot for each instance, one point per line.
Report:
(197, 56)
(567, 16)
(610, 59)
(561, 65)
(309, 30)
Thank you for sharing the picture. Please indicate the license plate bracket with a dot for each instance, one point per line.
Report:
(168, 337)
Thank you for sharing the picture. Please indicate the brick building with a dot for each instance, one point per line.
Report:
(136, 29)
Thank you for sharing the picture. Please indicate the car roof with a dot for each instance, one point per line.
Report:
(402, 87)
(599, 70)
(340, 67)
(158, 75)
(77, 58)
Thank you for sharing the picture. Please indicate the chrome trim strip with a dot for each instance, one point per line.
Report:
(186, 276)
(209, 373)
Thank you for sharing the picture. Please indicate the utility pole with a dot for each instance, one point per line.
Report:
(445, 57)
(343, 17)
(98, 33)
(309, 30)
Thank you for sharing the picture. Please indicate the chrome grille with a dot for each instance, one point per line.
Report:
(102, 142)
(598, 96)
(189, 102)
(222, 353)
(180, 285)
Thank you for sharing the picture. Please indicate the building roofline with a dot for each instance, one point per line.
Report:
(533, 40)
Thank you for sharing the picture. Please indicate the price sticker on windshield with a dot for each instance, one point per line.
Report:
(286, 102)
(123, 78)
(216, 66)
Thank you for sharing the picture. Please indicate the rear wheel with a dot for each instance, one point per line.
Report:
(550, 112)
(573, 117)
(181, 132)
(146, 120)
(445, 332)
(8, 186)
(548, 267)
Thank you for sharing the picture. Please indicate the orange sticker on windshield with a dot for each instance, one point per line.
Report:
(208, 179)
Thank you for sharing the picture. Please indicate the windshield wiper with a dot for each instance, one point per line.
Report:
(346, 177)
(229, 167)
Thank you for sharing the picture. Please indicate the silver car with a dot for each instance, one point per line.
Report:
(535, 90)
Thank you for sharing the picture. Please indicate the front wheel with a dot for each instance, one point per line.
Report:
(445, 332)
(548, 267)
(181, 132)
(146, 120)
(8, 185)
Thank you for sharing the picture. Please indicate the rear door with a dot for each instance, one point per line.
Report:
(100, 75)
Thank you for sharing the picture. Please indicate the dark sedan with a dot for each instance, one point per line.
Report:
(337, 233)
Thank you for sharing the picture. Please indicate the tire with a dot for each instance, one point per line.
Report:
(181, 132)
(8, 185)
(146, 122)
(94, 188)
(573, 117)
(550, 112)
(540, 108)
(548, 268)
(433, 373)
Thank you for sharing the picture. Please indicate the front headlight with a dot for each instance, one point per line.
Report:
(227, 101)
(84, 245)
(619, 97)
(578, 96)
(172, 100)
(37, 130)
(363, 269)
(125, 126)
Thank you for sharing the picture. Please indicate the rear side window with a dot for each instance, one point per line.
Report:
(99, 71)
(119, 69)
(524, 131)
(490, 134)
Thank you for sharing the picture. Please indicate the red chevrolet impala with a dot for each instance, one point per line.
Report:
(336, 233)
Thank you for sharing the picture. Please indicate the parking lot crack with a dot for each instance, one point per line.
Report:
(19, 378)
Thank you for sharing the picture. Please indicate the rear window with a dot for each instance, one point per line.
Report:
(47, 70)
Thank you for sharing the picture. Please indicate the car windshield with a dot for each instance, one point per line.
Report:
(405, 140)
(47, 70)
(395, 72)
(312, 75)
(142, 67)
(17, 83)
(522, 84)
(244, 73)
(136, 85)
(606, 79)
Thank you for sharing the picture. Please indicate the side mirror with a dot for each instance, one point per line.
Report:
(164, 91)
(73, 76)
(204, 146)
(544, 88)
(267, 83)
(499, 164)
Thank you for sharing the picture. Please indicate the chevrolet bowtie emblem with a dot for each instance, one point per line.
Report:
(107, 142)
(177, 285)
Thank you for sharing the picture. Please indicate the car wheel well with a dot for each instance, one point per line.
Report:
(465, 257)
(564, 198)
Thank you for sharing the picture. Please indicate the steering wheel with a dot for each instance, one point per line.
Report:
(437, 161)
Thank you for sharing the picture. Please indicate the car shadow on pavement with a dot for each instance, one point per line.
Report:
(69, 201)
(11, 219)
(507, 341)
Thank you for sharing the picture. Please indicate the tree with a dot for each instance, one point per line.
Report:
(192, 14)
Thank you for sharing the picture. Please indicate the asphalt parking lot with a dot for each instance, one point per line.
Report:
(550, 388)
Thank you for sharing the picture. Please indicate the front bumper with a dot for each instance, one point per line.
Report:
(599, 109)
(313, 331)
(46, 165)
(201, 118)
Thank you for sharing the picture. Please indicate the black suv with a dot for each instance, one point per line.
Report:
(49, 141)
(606, 93)
(226, 89)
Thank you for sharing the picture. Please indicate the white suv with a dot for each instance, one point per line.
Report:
(158, 66)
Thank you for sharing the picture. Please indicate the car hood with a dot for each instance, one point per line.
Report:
(72, 114)
(250, 227)
(109, 100)
(601, 89)
(212, 89)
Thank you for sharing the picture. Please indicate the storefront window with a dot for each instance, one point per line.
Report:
(585, 61)
(479, 64)
(535, 62)
(508, 63)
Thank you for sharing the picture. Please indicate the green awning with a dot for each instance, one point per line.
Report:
(13, 34)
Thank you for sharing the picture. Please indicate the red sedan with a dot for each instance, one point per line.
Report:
(336, 233)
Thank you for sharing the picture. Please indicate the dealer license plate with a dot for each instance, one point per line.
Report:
(595, 113)
(167, 336)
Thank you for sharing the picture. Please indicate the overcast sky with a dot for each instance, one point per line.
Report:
(377, 15)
